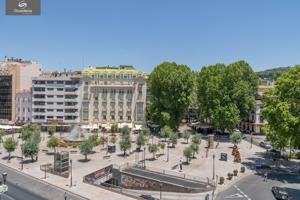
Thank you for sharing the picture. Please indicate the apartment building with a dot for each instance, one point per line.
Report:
(23, 106)
(256, 122)
(56, 97)
(113, 95)
(15, 77)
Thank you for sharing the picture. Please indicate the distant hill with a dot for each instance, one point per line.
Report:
(272, 74)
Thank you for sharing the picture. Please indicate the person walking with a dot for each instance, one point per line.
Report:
(265, 176)
(180, 164)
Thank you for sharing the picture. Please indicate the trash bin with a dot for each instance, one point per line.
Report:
(223, 156)
(111, 148)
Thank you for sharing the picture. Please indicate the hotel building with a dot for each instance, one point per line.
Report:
(256, 122)
(56, 98)
(15, 78)
(113, 95)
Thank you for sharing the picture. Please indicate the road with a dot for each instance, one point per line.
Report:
(24, 187)
(253, 187)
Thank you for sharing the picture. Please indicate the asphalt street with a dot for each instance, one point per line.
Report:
(24, 187)
(253, 187)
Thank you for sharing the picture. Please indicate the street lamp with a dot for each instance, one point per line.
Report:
(160, 193)
(214, 166)
(71, 179)
(168, 152)
(145, 157)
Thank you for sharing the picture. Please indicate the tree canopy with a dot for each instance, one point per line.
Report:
(171, 86)
(282, 110)
(30, 149)
(226, 94)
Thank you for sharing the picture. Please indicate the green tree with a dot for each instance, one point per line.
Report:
(25, 133)
(162, 146)
(171, 86)
(196, 139)
(2, 133)
(36, 136)
(10, 145)
(195, 148)
(165, 132)
(86, 148)
(188, 153)
(51, 130)
(141, 140)
(173, 138)
(114, 129)
(113, 140)
(153, 148)
(94, 140)
(125, 143)
(30, 149)
(236, 137)
(53, 142)
(282, 110)
(226, 94)
(186, 135)
(125, 130)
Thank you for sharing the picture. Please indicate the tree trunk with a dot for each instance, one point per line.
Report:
(85, 155)
(9, 156)
(32, 158)
(153, 155)
(124, 153)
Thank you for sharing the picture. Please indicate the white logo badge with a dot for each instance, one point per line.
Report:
(22, 4)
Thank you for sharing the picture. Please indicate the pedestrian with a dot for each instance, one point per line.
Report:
(65, 195)
(180, 164)
(265, 176)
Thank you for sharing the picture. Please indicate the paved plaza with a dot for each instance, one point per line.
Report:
(201, 167)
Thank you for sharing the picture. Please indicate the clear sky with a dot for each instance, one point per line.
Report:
(144, 33)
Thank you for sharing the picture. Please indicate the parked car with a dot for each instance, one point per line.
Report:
(263, 166)
(275, 153)
(280, 193)
(265, 145)
(147, 197)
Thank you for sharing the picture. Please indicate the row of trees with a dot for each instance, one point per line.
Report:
(224, 94)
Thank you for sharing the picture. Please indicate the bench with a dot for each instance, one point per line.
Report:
(44, 150)
(106, 157)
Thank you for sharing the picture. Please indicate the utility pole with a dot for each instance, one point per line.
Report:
(214, 166)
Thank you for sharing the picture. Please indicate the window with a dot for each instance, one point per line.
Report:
(28, 109)
(50, 82)
(85, 116)
(59, 117)
(121, 117)
(60, 89)
(50, 103)
(60, 103)
(60, 82)
(50, 89)
(60, 110)
(129, 117)
(60, 96)
(50, 96)
(85, 106)
(50, 110)
(104, 117)
(23, 109)
(49, 117)
(113, 117)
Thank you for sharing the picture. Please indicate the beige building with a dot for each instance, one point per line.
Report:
(15, 77)
(113, 95)
(255, 122)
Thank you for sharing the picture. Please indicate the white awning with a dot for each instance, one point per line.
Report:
(106, 126)
(86, 127)
(122, 125)
(95, 126)
(8, 127)
(138, 127)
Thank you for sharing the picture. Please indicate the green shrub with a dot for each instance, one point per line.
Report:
(235, 172)
(221, 180)
(230, 175)
(243, 169)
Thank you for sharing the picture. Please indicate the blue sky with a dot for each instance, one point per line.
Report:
(144, 33)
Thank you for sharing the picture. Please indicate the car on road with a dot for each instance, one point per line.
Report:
(147, 197)
(265, 145)
(280, 193)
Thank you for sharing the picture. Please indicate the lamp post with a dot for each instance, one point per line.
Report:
(71, 179)
(22, 159)
(160, 192)
(145, 157)
(214, 166)
(251, 141)
(168, 152)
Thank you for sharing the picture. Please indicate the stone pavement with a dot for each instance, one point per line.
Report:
(202, 166)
